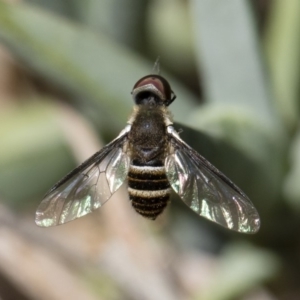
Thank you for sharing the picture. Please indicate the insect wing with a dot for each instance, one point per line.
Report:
(86, 188)
(207, 191)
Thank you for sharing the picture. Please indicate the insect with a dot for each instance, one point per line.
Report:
(153, 158)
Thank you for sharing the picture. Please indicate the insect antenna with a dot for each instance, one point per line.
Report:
(156, 67)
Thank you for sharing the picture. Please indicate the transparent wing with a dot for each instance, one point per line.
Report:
(207, 191)
(86, 188)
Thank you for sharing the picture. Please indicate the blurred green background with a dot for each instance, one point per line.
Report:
(66, 71)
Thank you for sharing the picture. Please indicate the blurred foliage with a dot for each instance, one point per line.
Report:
(237, 274)
(237, 103)
(282, 47)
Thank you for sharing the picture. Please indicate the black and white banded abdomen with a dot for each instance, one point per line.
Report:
(149, 190)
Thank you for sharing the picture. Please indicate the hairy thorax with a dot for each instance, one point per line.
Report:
(147, 138)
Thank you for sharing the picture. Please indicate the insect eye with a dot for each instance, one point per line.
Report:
(157, 86)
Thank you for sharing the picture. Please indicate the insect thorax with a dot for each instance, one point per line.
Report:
(147, 138)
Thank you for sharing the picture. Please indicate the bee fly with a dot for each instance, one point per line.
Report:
(153, 158)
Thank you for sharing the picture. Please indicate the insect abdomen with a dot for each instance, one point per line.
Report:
(149, 190)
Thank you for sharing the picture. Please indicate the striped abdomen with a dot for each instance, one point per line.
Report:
(149, 190)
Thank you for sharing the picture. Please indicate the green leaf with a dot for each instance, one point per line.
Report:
(282, 43)
(229, 56)
(291, 184)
